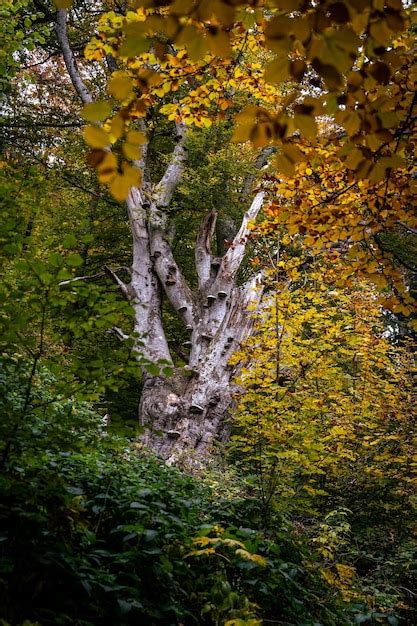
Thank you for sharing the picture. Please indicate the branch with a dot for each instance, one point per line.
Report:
(164, 190)
(259, 164)
(63, 283)
(234, 256)
(140, 163)
(413, 231)
(97, 276)
(172, 280)
(169, 274)
(122, 286)
(203, 257)
(252, 290)
(115, 330)
(62, 36)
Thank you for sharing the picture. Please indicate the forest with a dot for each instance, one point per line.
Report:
(208, 323)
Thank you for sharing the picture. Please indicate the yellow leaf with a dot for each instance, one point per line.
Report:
(245, 122)
(193, 41)
(328, 576)
(352, 123)
(96, 137)
(136, 138)
(354, 157)
(261, 134)
(63, 4)
(135, 42)
(117, 127)
(131, 151)
(307, 126)
(284, 165)
(380, 32)
(182, 7)
(120, 86)
(96, 111)
(219, 44)
(119, 187)
(248, 556)
(277, 71)
(293, 153)
(330, 73)
(132, 174)
(107, 168)
(278, 28)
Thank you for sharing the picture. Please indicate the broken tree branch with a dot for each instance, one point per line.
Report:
(115, 330)
(173, 282)
(260, 162)
(234, 256)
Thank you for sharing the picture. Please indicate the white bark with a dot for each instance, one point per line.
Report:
(122, 286)
(146, 298)
(187, 412)
(172, 280)
(203, 256)
(71, 65)
(165, 189)
(234, 256)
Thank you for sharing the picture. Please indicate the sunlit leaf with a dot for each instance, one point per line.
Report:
(96, 137)
(120, 86)
(96, 111)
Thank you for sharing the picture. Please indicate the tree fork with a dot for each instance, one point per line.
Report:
(186, 413)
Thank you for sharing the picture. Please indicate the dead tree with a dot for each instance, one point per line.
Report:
(184, 414)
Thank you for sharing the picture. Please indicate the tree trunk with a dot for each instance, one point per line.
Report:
(175, 429)
(185, 414)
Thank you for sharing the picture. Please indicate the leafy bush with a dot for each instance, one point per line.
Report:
(107, 535)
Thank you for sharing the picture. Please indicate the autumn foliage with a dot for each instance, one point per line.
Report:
(331, 85)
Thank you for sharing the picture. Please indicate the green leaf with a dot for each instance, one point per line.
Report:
(69, 241)
(74, 260)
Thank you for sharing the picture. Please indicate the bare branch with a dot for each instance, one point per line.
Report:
(203, 255)
(115, 330)
(234, 256)
(73, 71)
(77, 279)
(144, 284)
(92, 277)
(140, 164)
(169, 181)
(413, 231)
(260, 162)
(122, 286)
(172, 280)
